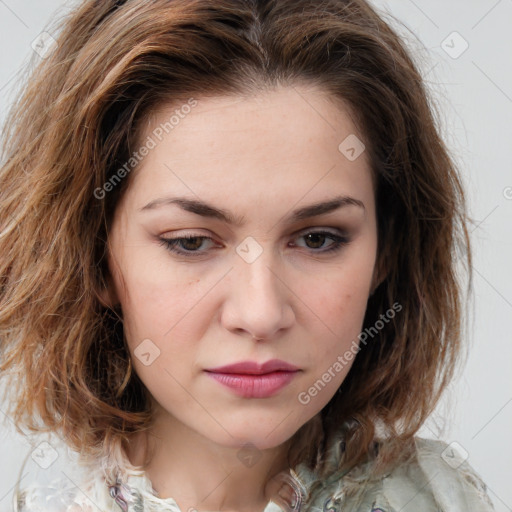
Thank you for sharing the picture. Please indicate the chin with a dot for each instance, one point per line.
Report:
(255, 436)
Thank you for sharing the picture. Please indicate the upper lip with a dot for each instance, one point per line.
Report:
(254, 368)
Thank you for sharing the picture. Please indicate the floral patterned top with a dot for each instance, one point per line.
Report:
(437, 479)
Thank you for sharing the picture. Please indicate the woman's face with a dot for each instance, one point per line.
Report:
(264, 276)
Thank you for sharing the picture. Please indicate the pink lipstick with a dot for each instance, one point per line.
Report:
(250, 379)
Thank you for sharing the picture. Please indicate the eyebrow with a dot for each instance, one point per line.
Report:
(208, 210)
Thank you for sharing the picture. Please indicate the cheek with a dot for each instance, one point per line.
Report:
(155, 297)
(339, 301)
(335, 310)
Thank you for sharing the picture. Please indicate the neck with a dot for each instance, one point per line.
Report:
(201, 475)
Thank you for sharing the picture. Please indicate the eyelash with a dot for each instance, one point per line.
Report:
(171, 243)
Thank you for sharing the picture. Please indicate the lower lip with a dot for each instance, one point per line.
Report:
(254, 386)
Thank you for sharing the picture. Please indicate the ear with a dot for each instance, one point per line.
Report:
(107, 294)
(380, 272)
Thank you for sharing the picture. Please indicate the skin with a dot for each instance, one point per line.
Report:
(259, 157)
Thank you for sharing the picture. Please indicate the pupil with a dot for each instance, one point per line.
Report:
(188, 242)
(319, 235)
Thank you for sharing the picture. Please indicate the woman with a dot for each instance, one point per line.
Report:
(229, 237)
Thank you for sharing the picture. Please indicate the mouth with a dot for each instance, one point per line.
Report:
(250, 379)
(255, 368)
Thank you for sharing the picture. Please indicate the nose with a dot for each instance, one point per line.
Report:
(259, 301)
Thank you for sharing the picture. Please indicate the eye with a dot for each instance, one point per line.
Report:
(186, 246)
(190, 245)
(316, 239)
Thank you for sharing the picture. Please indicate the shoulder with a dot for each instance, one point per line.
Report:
(437, 477)
(441, 476)
(63, 486)
(448, 465)
(55, 497)
(63, 495)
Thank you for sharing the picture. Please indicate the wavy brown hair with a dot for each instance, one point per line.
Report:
(77, 122)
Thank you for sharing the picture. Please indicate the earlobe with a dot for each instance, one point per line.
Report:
(374, 284)
(104, 297)
(380, 272)
(107, 295)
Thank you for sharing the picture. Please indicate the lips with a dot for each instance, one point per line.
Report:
(254, 368)
(250, 379)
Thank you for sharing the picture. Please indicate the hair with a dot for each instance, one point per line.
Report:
(79, 119)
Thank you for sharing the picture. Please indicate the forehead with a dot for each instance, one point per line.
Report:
(292, 110)
(283, 143)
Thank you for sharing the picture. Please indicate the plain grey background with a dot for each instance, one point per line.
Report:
(465, 50)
